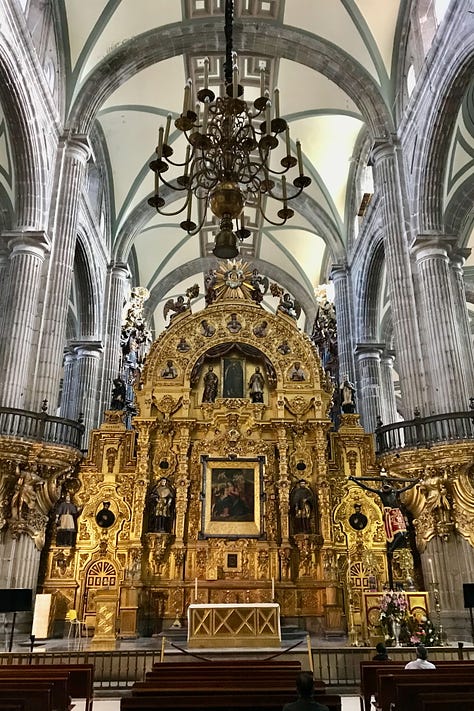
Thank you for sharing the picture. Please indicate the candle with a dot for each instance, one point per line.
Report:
(300, 157)
(206, 72)
(167, 129)
(273, 588)
(276, 101)
(195, 588)
(430, 563)
(262, 81)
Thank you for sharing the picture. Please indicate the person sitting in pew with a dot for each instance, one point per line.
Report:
(305, 701)
(381, 655)
(421, 661)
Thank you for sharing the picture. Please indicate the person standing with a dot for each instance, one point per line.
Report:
(421, 661)
(305, 701)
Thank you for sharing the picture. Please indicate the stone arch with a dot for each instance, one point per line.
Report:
(203, 264)
(28, 151)
(89, 301)
(289, 43)
(452, 80)
(367, 290)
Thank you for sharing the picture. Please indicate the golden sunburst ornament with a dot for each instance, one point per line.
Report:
(233, 280)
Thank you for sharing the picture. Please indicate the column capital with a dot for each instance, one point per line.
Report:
(77, 146)
(87, 348)
(34, 242)
(119, 269)
(338, 272)
(432, 244)
(369, 350)
(459, 255)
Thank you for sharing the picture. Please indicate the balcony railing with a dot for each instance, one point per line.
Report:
(40, 427)
(425, 431)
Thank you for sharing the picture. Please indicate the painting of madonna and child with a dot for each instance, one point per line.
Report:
(232, 499)
(232, 495)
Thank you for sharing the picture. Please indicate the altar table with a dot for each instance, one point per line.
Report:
(234, 625)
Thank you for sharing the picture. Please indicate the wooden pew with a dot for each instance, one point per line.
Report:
(80, 677)
(408, 694)
(57, 683)
(389, 683)
(369, 671)
(439, 701)
(37, 698)
(218, 703)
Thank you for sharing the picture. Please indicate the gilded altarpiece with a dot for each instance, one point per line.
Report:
(219, 499)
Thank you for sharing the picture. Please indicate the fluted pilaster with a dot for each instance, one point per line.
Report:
(402, 296)
(117, 278)
(344, 332)
(388, 403)
(368, 367)
(27, 255)
(74, 155)
(69, 380)
(86, 393)
(442, 348)
(458, 256)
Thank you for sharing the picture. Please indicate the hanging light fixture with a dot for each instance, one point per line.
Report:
(227, 160)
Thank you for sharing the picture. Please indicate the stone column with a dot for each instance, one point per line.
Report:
(368, 367)
(73, 154)
(86, 393)
(389, 413)
(28, 251)
(458, 256)
(443, 347)
(117, 279)
(68, 408)
(402, 296)
(342, 299)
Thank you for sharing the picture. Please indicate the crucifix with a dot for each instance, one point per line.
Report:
(393, 518)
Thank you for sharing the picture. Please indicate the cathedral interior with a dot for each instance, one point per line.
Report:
(220, 384)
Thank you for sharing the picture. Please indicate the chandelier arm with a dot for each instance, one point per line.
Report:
(275, 224)
(201, 224)
(229, 11)
(171, 214)
(282, 199)
(172, 187)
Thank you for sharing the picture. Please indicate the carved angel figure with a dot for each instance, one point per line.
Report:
(288, 305)
(177, 306)
(259, 286)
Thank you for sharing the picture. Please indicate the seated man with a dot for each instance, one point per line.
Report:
(305, 702)
(421, 661)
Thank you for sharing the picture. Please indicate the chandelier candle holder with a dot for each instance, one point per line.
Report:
(228, 160)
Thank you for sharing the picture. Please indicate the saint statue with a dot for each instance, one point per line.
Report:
(256, 385)
(162, 502)
(302, 506)
(66, 522)
(211, 384)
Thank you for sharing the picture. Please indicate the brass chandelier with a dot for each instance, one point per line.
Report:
(227, 161)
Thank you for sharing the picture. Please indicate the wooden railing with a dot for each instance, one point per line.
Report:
(425, 431)
(40, 426)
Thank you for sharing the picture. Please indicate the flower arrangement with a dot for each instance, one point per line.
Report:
(420, 630)
(393, 607)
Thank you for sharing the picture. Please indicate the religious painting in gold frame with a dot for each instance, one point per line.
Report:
(232, 497)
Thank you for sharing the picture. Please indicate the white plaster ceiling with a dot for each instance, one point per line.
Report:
(321, 114)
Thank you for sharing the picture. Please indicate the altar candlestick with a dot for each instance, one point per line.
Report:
(195, 589)
(273, 588)
(430, 563)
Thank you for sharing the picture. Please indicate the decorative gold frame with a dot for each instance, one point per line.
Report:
(215, 470)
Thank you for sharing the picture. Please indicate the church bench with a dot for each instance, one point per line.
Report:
(228, 676)
(370, 669)
(57, 683)
(37, 698)
(238, 701)
(440, 701)
(231, 664)
(408, 695)
(417, 680)
(80, 677)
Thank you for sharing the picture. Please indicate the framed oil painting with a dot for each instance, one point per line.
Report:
(232, 491)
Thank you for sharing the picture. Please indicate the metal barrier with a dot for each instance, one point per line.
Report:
(425, 431)
(338, 667)
(41, 427)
